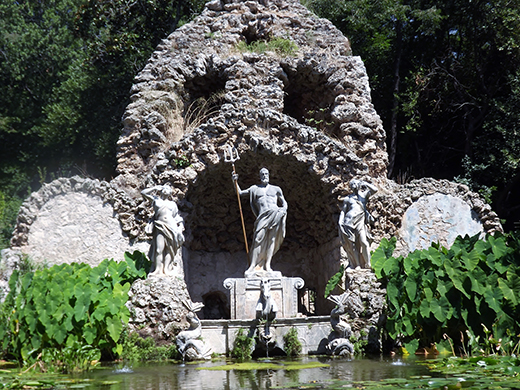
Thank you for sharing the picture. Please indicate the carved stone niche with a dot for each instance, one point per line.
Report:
(245, 292)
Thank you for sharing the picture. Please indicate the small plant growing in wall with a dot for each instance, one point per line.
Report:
(291, 344)
(242, 347)
(282, 46)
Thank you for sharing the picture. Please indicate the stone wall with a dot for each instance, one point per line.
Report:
(75, 219)
(428, 210)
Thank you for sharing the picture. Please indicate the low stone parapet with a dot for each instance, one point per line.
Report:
(313, 332)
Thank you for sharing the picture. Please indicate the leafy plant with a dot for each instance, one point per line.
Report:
(243, 346)
(334, 281)
(471, 287)
(281, 46)
(9, 207)
(291, 344)
(69, 307)
(137, 348)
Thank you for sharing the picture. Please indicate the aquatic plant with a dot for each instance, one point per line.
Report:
(473, 286)
(137, 348)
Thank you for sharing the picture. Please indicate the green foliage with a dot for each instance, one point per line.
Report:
(334, 281)
(75, 357)
(243, 346)
(281, 46)
(473, 286)
(291, 344)
(445, 80)
(136, 348)
(67, 308)
(66, 71)
(9, 207)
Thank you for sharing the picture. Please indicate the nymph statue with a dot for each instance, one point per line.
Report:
(270, 209)
(354, 221)
(167, 229)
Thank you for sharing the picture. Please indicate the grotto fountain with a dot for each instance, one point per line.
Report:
(302, 109)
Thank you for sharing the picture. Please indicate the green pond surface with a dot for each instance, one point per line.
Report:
(278, 374)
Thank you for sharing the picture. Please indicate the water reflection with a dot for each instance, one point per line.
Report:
(176, 377)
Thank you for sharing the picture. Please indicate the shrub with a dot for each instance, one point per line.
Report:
(281, 46)
(137, 348)
(242, 347)
(69, 306)
(291, 344)
(464, 290)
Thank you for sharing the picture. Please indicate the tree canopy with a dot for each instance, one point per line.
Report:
(66, 69)
(445, 80)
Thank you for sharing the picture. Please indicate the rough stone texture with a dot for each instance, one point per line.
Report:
(390, 206)
(73, 219)
(313, 332)
(156, 306)
(420, 222)
(365, 307)
(308, 118)
(9, 260)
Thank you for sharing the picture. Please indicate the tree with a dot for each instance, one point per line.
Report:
(444, 80)
(66, 69)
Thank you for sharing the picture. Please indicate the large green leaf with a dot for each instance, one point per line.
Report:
(472, 259)
(89, 333)
(458, 278)
(411, 346)
(440, 309)
(434, 256)
(392, 293)
(498, 246)
(478, 280)
(114, 327)
(381, 254)
(391, 266)
(424, 308)
(410, 286)
(511, 288)
(81, 307)
(334, 281)
(493, 297)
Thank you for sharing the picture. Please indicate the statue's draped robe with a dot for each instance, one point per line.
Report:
(349, 234)
(172, 233)
(269, 230)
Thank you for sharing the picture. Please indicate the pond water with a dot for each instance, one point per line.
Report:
(168, 376)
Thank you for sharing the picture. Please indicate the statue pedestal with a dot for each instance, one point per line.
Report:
(245, 292)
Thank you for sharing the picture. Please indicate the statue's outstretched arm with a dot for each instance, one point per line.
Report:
(235, 181)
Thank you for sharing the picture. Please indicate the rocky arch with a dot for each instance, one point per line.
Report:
(312, 171)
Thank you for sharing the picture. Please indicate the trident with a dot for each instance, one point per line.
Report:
(231, 155)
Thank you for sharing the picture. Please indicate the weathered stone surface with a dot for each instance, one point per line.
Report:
(421, 221)
(394, 201)
(365, 308)
(9, 260)
(156, 306)
(74, 219)
(307, 117)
